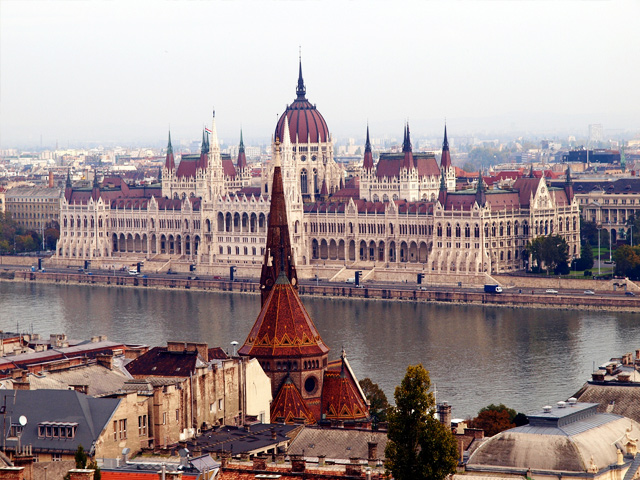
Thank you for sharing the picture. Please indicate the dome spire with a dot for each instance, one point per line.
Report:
(170, 163)
(300, 90)
(445, 160)
(368, 156)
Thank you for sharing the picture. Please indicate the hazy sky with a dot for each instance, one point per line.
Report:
(126, 71)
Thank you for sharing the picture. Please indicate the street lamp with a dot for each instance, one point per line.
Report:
(599, 227)
(610, 246)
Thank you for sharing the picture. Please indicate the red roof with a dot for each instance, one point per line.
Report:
(341, 399)
(228, 168)
(526, 186)
(305, 122)
(288, 406)
(187, 167)
(283, 327)
(159, 362)
(389, 165)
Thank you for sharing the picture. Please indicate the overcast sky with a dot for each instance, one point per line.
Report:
(127, 71)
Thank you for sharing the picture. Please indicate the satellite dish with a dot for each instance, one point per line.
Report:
(22, 420)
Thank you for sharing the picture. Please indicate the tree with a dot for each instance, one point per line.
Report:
(551, 250)
(588, 231)
(378, 403)
(627, 259)
(494, 419)
(585, 262)
(81, 459)
(419, 447)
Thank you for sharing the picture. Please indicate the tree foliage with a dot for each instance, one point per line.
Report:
(378, 403)
(419, 447)
(588, 232)
(550, 251)
(627, 260)
(585, 262)
(83, 461)
(15, 239)
(494, 419)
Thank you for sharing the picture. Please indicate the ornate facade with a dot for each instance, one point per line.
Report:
(404, 211)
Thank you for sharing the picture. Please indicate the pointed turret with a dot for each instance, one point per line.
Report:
(204, 151)
(68, 183)
(170, 163)
(442, 195)
(445, 160)
(300, 89)
(278, 255)
(68, 190)
(481, 196)
(368, 156)
(568, 185)
(242, 158)
(95, 190)
(531, 174)
(407, 162)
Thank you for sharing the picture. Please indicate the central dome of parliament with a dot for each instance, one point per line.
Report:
(306, 123)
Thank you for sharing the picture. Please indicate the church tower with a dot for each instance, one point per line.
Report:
(215, 171)
(304, 384)
(168, 172)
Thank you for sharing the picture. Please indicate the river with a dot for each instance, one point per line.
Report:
(476, 355)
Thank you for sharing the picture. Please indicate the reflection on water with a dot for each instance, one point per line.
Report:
(476, 355)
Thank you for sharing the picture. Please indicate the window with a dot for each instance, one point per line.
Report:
(220, 404)
(177, 415)
(164, 418)
(142, 425)
(56, 457)
(122, 429)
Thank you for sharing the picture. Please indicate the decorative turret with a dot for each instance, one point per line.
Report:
(407, 162)
(442, 196)
(445, 160)
(368, 156)
(568, 185)
(95, 190)
(204, 152)
(531, 174)
(242, 158)
(170, 163)
(68, 190)
(278, 255)
(481, 196)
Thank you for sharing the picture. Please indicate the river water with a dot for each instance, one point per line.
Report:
(523, 358)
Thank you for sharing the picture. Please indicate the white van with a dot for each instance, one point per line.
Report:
(351, 280)
(133, 271)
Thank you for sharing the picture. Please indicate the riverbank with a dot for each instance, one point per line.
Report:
(511, 297)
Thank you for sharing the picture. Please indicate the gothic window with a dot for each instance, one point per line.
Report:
(316, 189)
(476, 231)
(467, 231)
(501, 229)
(439, 230)
(457, 230)
(448, 229)
(303, 181)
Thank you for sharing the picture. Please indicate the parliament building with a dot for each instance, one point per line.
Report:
(403, 209)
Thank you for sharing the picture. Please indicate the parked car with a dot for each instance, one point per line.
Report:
(551, 291)
(631, 294)
(589, 292)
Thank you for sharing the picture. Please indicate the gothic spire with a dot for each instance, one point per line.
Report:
(368, 156)
(68, 184)
(170, 163)
(242, 158)
(300, 89)
(445, 160)
(406, 148)
(278, 255)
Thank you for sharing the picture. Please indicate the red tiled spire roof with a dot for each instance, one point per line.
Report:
(445, 161)
(283, 327)
(170, 163)
(277, 255)
(341, 398)
(289, 405)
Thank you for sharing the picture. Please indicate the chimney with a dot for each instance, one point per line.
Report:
(81, 474)
(372, 455)
(26, 461)
(298, 464)
(274, 435)
(201, 348)
(175, 347)
(597, 376)
(354, 468)
(17, 374)
(444, 413)
(321, 460)
(50, 179)
(11, 473)
(164, 475)
(105, 361)
(260, 463)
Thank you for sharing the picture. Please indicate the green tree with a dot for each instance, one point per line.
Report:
(588, 231)
(419, 447)
(627, 259)
(586, 257)
(551, 250)
(82, 462)
(378, 403)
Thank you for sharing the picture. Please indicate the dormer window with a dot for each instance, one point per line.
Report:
(60, 430)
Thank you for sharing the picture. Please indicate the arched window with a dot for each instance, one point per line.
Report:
(303, 181)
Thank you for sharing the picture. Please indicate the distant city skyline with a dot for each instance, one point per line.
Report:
(125, 72)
